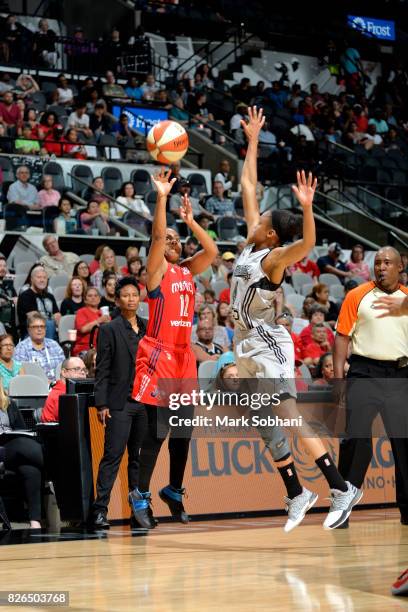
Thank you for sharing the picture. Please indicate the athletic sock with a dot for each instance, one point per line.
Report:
(331, 473)
(291, 480)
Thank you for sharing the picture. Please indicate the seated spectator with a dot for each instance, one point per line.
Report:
(131, 253)
(308, 302)
(57, 261)
(73, 147)
(217, 204)
(204, 71)
(280, 305)
(65, 93)
(149, 88)
(175, 174)
(176, 200)
(371, 138)
(224, 175)
(74, 296)
(122, 130)
(324, 371)
(317, 347)
(36, 348)
(86, 319)
(133, 90)
(111, 88)
(141, 278)
(66, 222)
(381, 126)
(23, 456)
(190, 247)
(93, 221)
(130, 199)
(331, 263)
(224, 319)
(90, 362)
(178, 112)
(48, 196)
(360, 118)
(108, 263)
(161, 98)
(286, 320)
(320, 293)
(94, 264)
(48, 123)
(228, 262)
(277, 95)
(220, 334)
(99, 121)
(357, 265)
(307, 266)
(37, 298)
(6, 83)
(243, 91)
(96, 193)
(27, 143)
(22, 191)
(303, 130)
(31, 117)
(209, 296)
(108, 285)
(9, 367)
(81, 269)
(198, 108)
(204, 220)
(10, 113)
(44, 44)
(79, 120)
(352, 136)
(204, 348)
(54, 143)
(7, 292)
(316, 315)
(267, 142)
(225, 294)
(240, 115)
(73, 367)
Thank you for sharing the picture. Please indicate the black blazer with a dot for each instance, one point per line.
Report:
(115, 364)
(15, 417)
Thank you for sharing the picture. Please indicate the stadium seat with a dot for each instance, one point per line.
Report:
(143, 310)
(59, 280)
(8, 170)
(150, 200)
(206, 373)
(198, 184)
(27, 385)
(218, 286)
(50, 213)
(239, 206)
(55, 170)
(299, 324)
(66, 322)
(306, 289)
(296, 301)
(23, 267)
(113, 179)
(82, 172)
(329, 279)
(337, 292)
(110, 144)
(305, 372)
(227, 228)
(34, 369)
(15, 217)
(299, 279)
(121, 260)
(38, 101)
(87, 257)
(141, 181)
(19, 281)
(288, 289)
(59, 294)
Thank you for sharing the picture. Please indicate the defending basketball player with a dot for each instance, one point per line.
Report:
(265, 350)
(164, 353)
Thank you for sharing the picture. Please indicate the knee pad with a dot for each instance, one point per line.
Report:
(278, 447)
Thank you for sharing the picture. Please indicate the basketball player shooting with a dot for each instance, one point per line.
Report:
(165, 351)
(264, 350)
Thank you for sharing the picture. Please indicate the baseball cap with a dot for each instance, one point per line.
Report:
(228, 256)
(184, 183)
(335, 247)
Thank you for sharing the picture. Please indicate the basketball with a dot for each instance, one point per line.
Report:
(167, 142)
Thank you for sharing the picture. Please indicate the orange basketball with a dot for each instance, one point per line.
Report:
(167, 142)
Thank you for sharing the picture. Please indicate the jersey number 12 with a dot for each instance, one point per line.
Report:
(184, 300)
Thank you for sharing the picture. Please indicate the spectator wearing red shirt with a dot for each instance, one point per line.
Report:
(86, 319)
(131, 253)
(307, 266)
(316, 316)
(360, 119)
(286, 320)
(225, 294)
(324, 371)
(73, 367)
(10, 113)
(54, 141)
(318, 347)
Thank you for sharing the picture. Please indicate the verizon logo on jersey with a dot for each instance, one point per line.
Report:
(180, 323)
(182, 286)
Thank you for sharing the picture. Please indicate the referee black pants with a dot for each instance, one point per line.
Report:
(374, 388)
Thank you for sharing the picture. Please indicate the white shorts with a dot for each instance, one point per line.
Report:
(267, 352)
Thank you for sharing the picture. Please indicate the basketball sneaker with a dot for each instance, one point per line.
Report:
(140, 504)
(400, 586)
(342, 503)
(174, 499)
(297, 508)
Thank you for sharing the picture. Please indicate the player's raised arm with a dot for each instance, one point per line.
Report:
(203, 259)
(249, 177)
(284, 256)
(156, 264)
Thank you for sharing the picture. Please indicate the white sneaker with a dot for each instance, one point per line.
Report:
(342, 503)
(297, 508)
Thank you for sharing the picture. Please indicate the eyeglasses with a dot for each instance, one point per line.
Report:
(78, 369)
(37, 326)
(171, 240)
(6, 346)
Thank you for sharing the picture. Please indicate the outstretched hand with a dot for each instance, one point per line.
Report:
(391, 306)
(162, 183)
(305, 188)
(255, 123)
(186, 210)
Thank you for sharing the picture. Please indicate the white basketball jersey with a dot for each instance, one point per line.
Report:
(252, 292)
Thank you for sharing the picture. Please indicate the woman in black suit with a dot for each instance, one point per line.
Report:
(23, 455)
(125, 419)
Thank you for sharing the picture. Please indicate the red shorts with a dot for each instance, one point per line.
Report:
(162, 369)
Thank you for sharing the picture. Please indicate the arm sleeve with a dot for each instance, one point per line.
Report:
(50, 411)
(103, 366)
(81, 319)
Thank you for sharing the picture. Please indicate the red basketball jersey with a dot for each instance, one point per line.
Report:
(171, 307)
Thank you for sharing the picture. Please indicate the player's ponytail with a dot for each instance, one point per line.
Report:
(286, 225)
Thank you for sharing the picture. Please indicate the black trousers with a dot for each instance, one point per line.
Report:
(179, 443)
(25, 457)
(126, 427)
(374, 388)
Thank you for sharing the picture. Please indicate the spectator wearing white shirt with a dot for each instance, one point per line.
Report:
(21, 191)
(129, 198)
(240, 115)
(371, 138)
(65, 93)
(149, 88)
(176, 200)
(267, 142)
(79, 120)
(224, 175)
(303, 130)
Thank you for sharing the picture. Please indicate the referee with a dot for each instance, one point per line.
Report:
(378, 369)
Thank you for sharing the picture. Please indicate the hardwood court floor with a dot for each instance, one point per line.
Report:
(248, 564)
